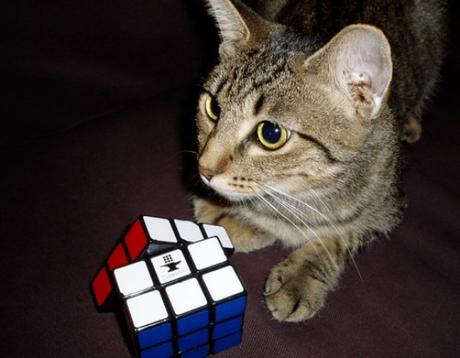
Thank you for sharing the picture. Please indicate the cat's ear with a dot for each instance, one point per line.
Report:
(357, 62)
(238, 25)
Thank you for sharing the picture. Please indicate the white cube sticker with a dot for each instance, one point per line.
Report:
(186, 296)
(159, 229)
(223, 283)
(146, 309)
(219, 231)
(207, 253)
(133, 278)
(170, 266)
(188, 230)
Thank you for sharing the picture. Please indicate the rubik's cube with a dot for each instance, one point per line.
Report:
(179, 294)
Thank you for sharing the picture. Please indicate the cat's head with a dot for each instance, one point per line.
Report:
(277, 113)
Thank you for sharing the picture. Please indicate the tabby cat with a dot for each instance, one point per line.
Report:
(300, 127)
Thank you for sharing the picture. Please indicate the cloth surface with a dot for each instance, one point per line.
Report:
(70, 186)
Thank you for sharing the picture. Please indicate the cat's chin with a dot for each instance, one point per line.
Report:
(235, 196)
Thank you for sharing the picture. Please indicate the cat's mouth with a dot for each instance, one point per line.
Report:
(232, 189)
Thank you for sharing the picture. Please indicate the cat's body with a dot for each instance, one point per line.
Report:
(343, 97)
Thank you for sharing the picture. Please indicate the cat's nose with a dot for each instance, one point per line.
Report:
(213, 163)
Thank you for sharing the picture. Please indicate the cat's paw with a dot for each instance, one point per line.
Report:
(206, 211)
(244, 238)
(292, 294)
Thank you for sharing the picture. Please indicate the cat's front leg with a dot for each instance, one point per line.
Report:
(297, 287)
(245, 238)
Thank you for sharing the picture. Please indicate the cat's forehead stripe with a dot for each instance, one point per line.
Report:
(263, 79)
(243, 80)
(258, 104)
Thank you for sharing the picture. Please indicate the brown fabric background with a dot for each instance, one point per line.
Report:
(69, 187)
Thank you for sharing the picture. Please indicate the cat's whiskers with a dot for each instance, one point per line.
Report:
(340, 232)
(189, 151)
(308, 238)
(286, 195)
(289, 208)
(297, 200)
(265, 201)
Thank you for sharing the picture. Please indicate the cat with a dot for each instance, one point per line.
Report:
(300, 127)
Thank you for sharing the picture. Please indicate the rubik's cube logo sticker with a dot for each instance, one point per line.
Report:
(169, 263)
(170, 266)
(180, 295)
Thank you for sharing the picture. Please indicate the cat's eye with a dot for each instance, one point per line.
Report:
(212, 108)
(271, 135)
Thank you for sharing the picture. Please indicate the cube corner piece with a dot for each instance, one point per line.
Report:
(207, 254)
(226, 293)
(219, 231)
(149, 321)
(189, 305)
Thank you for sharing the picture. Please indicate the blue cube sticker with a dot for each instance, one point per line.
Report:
(230, 308)
(193, 340)
(227, 342)
(192, 322)
(154, 335)
(227, 327)
(164, 350)
(199, 352)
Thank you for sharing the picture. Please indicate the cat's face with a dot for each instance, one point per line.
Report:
(252, 128)
(271, 117)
